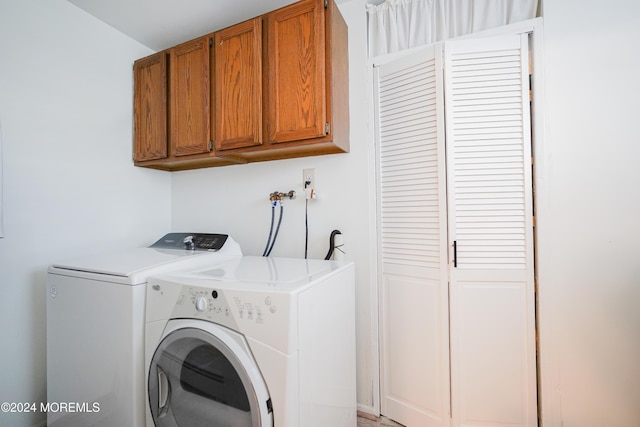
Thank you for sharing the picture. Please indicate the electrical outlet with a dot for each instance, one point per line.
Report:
(309, 183)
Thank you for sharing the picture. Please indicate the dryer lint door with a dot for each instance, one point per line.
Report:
(203, 374)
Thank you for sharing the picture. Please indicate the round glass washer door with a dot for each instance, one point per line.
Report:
(203, 374)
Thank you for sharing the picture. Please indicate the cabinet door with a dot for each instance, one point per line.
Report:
(189, 94)
(238, 85)
(296, 72)
(150, 108)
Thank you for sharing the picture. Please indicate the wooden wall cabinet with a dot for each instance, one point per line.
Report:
(238, 85)
(305, 83)
(296, 72)
(189, 94)
(150, 108)
(172, 98)
(272, 87)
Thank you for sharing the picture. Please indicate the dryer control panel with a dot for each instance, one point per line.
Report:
(266, 317)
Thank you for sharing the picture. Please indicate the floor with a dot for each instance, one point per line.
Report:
(380, 422)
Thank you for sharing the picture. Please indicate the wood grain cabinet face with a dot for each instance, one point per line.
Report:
(269, 88)
(296, 72)
(238, 85)
(189, 98)
(150, 108)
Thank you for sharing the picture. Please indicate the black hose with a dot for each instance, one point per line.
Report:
(275, 236)
(306, 228)
(332, 243)
(273, 213)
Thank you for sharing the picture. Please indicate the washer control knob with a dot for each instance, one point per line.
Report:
(188, 243)
(201, 303)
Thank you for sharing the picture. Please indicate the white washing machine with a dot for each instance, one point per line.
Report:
(95, 327)
(253, 342)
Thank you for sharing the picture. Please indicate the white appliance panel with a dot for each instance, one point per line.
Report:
(299, 322)
(95, 328)
(93, 355)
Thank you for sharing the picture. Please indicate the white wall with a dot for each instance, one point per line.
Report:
(235, 200)
(69, 183)
(588, 216)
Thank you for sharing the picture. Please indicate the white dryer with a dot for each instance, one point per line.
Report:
(253, 342)
(95, 327)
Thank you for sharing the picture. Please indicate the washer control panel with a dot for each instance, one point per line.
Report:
(191, 241)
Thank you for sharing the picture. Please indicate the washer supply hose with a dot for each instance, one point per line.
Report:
(273, 214)
(271, 243)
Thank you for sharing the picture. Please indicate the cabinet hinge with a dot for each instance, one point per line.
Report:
(210, 145)
(326, 4)
(210, 41)
(327, 128)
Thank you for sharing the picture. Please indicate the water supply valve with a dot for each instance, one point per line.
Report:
(278, 196)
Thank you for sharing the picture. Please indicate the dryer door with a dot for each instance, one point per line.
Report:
(203, 374)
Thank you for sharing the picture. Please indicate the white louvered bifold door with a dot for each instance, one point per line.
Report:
(493, 374)
(412, 228)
